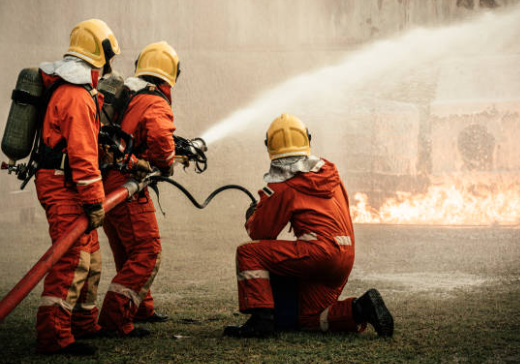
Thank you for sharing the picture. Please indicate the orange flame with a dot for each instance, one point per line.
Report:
(480, 200)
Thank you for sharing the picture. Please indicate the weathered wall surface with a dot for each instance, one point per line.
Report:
(230, 51)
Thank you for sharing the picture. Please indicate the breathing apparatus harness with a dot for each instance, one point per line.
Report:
(42, 156)
(121, 144)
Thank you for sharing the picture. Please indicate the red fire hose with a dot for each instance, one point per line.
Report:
(60, 247)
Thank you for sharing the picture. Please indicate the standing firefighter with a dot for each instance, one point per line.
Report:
(307, 192)
(131, 227)
(68, 184)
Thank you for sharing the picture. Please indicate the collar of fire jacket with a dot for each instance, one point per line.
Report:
(71, 69)
(135, 84)
(283, 169)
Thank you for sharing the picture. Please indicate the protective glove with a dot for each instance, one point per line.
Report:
(167, 171)
(95, 214)
(141, 169)
(107, 155)
(251, 210)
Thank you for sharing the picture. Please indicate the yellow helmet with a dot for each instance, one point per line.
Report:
(94, 42)
(286, 137)
(158, 60)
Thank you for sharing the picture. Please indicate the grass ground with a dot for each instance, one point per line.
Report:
(454, 293)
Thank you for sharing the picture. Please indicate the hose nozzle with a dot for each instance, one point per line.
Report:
(200, 144)
(191, 150)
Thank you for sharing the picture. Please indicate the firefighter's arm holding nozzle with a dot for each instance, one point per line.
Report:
(251, 209)
(159, 138)
(138, 168)
(141, 168)
(260, 216)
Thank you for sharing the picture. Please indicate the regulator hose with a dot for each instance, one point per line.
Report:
(211, 195)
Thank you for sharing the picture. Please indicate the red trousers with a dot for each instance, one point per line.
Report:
(322, 269)
(68, 303)
(133, 233)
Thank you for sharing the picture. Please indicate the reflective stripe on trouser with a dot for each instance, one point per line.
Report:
(70, 288)
(122, 303)
(147, 307)
(322, 270)
(133, 233)
(336, 317)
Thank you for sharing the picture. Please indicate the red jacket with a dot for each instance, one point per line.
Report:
(149, 118)
(313, 202)
(71, 115)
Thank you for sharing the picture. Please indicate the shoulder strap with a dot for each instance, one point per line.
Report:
(148, 90)
(37, 151)
(93, 93)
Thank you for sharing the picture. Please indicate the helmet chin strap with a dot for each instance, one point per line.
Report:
(107, 69)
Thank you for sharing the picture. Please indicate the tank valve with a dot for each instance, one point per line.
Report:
(18, 169)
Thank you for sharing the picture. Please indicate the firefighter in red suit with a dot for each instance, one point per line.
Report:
(68, 184)
(132, 227)
(306, 192)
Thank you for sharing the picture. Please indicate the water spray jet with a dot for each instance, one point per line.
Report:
(394, 86)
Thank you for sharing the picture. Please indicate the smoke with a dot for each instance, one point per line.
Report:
(372, 71)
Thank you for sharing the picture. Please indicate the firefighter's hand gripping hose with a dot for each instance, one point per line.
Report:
(211, 195)
(62, 245)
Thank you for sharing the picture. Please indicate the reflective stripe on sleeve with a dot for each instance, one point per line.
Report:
(308, 237)
(249, 242)
(252, 274)
(86, 182)
(125, 291)
(343, 240)
(324, 320)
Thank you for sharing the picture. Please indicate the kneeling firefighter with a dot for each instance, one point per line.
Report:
(68, 183)
(132, 227)
(307, 192)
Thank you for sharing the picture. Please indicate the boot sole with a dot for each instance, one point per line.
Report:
(381, 318)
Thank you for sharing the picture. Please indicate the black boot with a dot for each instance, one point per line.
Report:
(138, 332)
(260, 324)
(75, 349)
(155, 317)
(371, 308)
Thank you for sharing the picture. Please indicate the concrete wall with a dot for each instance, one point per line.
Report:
(220, 43)
(230, 50)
